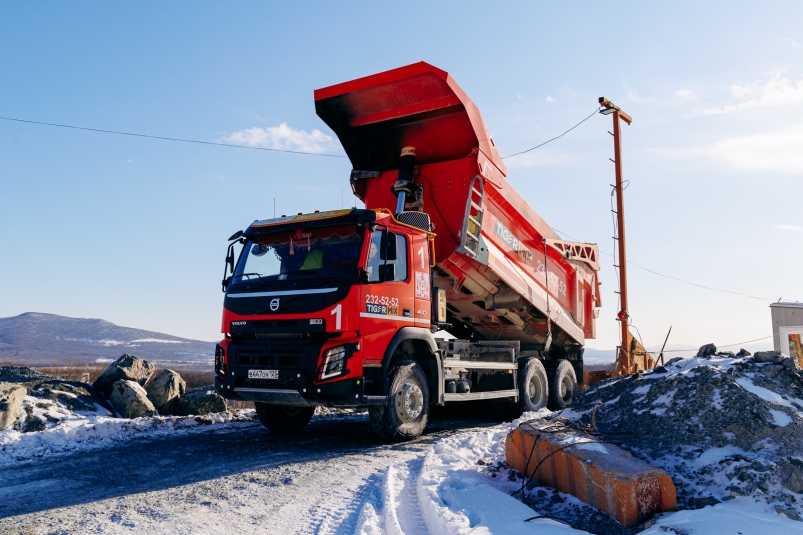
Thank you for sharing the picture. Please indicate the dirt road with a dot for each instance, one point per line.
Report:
(243, 480)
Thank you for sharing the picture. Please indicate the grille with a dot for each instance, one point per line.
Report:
(269, 358)
(415, 219)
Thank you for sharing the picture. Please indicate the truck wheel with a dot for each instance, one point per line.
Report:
(282, 418)
(533, 389)
(407, 410)
(563, 386)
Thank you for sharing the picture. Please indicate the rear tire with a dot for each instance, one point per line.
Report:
(562, 386)
(283, 418)
(407, 410)
(533, 386)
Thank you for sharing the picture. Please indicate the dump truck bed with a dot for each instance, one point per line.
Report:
(504, 268)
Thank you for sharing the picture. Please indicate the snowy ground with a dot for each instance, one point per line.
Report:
(92, 473)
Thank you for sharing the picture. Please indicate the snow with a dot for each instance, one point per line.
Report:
(763, 393)
(456, 496)
(740, 516)
(81, 430)
(780, 418)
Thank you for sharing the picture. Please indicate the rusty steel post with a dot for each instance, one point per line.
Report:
(623, 315)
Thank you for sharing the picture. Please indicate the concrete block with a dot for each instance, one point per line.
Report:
(601, 475)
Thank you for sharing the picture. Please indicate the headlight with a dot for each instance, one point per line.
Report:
(335, 363)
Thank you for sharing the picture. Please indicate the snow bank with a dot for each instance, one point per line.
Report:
(47, 427)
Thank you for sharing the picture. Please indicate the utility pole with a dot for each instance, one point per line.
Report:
(609, 108)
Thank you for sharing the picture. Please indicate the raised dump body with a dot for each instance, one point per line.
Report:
(504, 268)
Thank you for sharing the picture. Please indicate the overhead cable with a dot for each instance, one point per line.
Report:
(554, 138)
(164, 138)
(676, 278)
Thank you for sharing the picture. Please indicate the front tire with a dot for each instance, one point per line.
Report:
(407, 410)
(563, 386)
(283, 418)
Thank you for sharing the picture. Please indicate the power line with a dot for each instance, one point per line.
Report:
(556, 137)
(677, 278)
(164, 138)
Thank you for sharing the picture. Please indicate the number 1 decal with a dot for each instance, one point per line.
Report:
(336, 313)
(421, 254)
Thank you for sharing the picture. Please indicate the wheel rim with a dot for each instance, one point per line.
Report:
(566, 389)
(409, 401)
(535, 390)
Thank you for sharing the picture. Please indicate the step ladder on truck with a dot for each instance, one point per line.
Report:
(339, 308)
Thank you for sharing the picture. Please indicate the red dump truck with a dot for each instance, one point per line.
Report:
(341, 308)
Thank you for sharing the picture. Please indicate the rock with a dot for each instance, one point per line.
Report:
(673, 361)
(797, 461)
(771, 370)
(126, 368)
(200, 401)
(766, 356)
(165, 389)
(790, 363)
(11, 397)
(130, 400)
(707, 350)
(699, 503)
(743, 353)
(795, 481)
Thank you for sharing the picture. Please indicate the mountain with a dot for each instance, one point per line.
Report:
(36, 338)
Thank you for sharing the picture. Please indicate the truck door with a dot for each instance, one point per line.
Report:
(422, 281)
(387, 298)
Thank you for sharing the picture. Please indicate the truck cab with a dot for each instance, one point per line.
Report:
(313, 306)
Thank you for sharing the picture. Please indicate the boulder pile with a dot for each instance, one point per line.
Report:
(135, 391)
(130, 387)
(721, 424)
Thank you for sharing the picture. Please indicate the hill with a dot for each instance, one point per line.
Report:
(37, 339)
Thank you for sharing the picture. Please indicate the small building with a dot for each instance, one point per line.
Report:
(787, 329)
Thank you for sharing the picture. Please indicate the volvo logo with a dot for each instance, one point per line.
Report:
(274, 304)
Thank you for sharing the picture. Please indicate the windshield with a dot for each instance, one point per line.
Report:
(321, 254)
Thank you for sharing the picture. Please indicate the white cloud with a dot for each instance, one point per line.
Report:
(777, 91)
(790, 227)
(281, 137)
(550, 99)
(792, 42)
(769, 151)
(686, 93)
(130, 161)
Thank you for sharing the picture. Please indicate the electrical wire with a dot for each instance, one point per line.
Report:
(554, 138)
(630, 263)
(164, 138)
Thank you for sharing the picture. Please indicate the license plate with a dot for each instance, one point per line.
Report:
(263, 374)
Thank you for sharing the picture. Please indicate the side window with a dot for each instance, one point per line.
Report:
(387, 257)
(401, 258)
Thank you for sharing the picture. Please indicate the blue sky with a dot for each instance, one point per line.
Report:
(134, 230)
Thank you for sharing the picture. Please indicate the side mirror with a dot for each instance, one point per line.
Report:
(388, 249)
(387, 272)
(226, 282)
(363, 275)
(236, 235)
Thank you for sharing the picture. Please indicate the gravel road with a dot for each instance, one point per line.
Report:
(243, 480)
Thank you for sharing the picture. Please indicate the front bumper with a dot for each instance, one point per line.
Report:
(346, 393)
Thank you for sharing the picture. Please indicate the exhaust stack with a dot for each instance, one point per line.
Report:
(404, 182)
